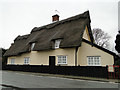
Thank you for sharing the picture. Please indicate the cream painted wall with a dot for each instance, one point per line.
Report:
(42, 57)
(87, 50)
(19, 59)
(86, 34)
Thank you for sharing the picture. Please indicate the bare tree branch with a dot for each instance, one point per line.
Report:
(101, 38)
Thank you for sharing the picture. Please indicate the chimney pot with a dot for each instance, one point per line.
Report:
(55, 18)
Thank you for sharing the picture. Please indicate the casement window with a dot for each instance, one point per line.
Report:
(32, 46)
(57, 43)
(62, 59)
(12, 60)
(93, 61)
(26, 60)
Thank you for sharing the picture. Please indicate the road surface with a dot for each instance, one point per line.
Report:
(26, 80)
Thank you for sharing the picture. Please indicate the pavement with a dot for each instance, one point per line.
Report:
(71, 77)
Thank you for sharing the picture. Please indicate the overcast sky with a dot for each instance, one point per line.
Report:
(18, 17)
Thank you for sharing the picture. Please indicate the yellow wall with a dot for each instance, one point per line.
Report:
(86, 34)
(87, 50)
(42, 57)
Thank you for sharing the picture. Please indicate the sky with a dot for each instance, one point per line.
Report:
(119, 15)
(19, 17)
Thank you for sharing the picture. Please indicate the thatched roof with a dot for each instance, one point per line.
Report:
(69, 30)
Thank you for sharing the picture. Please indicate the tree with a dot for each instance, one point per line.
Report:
(4, 58)
(101, 38)
(117, 41)
(117, 47)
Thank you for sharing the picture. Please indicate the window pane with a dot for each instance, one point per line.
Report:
(12, 61)
(57, 43)
(93, 60)
(62, 59)
(88, 61)
(32, 46)
(97, 57)
(26, 60)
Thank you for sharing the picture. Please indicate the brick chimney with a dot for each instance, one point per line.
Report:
(55, 18)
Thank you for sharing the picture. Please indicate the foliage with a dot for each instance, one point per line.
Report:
(4, 59)
(117, 41)
(117, 47)
(117, 60)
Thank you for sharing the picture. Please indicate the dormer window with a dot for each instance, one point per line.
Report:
(32, 46)
(57, 43)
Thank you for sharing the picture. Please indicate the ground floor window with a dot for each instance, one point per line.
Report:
(62, 59)
(12, 60)
(26, 60)
(93, 61)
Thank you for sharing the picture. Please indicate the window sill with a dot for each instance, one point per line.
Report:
(26, 64)
(94, 65)
(62, 64)
(56, 48)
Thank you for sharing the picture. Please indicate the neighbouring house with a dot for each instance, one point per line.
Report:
(68, 42)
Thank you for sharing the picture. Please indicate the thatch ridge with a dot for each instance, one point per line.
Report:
(21, 37)
(52, 25)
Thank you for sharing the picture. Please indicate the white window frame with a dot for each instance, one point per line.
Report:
(57, 43)
(93, 60)
(26, 60)
(61, 56)
(32, 46)
(12, 61)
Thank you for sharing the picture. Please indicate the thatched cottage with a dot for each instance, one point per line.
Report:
(68, 42)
